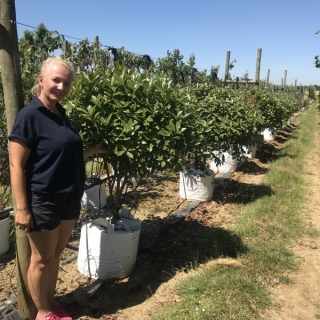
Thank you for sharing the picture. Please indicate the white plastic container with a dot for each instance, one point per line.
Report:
(105, 253)
(133, 182)
(4, 235)
(9, 312)
(195, 186)
(94, 197)
(269, 134)
(226, 168)
(250, 152)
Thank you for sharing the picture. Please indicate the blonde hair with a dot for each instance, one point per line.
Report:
(46, 65)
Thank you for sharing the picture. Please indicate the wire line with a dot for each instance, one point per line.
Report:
(90, 42)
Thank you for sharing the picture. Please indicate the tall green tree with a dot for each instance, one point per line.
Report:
(35, 47)
(175, 68)
(312, 92)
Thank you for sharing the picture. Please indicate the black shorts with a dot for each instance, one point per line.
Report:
(49, 209)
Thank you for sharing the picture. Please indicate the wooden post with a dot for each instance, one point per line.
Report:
(268, 77)
(285, 79)
(96, 46)
(13, 99)
(258, 63)
(96, 41)
(10, 59)
(65, 49)
(237, 82)
(226, 70)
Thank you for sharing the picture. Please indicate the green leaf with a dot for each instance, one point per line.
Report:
(95, 100)
(129, 154)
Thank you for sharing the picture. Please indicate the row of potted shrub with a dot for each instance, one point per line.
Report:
(152, 124)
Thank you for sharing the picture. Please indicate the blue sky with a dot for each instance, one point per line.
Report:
(284, 30)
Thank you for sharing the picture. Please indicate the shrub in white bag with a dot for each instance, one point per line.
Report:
(250, 151)
(4, 235)
(226, 167)
(196, 184)
(269, 134)
(95, 196)
(132, 181)
(109, 251)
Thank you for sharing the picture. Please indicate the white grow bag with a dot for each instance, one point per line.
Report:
(196, 185)
(95, 197)
(250, 152)
(269, 134)
(132, 182)
(226, 168)
(105, 253)
(4, 235)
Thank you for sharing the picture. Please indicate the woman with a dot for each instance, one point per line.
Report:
(47, 178)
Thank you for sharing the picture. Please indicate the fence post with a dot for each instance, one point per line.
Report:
(13, 98)
(268, 77)
(10, 62)
(96, 41)
(258, 63)
(65, 49)
(96, 46)
(285, 79)
(226, 70)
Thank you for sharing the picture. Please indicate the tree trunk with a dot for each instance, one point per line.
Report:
(13, 99)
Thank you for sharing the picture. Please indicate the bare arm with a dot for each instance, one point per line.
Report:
(98, 148)
(19, 154)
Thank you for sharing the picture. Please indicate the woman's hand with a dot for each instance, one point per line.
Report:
(100, 147)
(23, 220)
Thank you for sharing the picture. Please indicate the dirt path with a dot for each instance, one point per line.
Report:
(301, 300)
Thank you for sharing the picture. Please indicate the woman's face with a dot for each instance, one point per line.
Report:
(55, 84)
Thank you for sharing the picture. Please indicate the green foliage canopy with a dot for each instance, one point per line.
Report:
(142, 118)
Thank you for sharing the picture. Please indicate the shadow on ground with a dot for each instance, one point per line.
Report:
(180, 246)
(184, 246)
(231, 191)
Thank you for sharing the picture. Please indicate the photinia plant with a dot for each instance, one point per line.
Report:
(276, 107)
(221, 119)
(142, 118)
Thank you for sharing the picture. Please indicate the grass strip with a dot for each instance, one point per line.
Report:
(268, 228)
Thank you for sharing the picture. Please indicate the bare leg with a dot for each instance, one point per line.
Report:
(43, 245)
(65, 229)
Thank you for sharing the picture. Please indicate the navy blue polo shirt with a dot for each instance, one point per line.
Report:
(55, 164)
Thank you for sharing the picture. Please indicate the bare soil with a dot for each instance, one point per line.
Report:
(158, 270)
